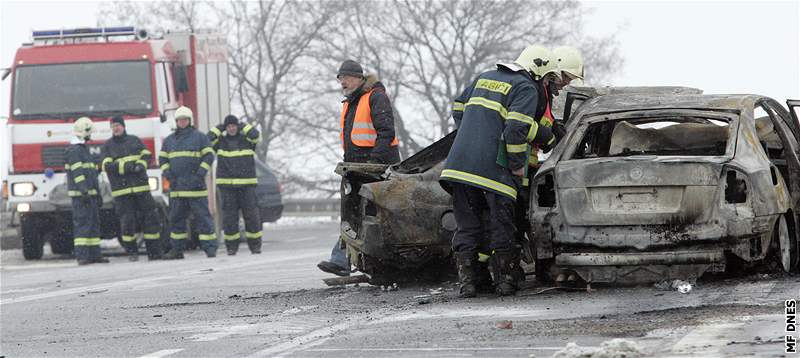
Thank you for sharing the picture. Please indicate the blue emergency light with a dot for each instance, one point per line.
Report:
(84, 32)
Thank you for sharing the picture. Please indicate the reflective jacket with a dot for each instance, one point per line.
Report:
(185, 158)
(125, 162)
(81, 171)
(367, 125)
(495, 117)
(235, 155)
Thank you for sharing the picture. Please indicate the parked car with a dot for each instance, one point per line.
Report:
(269, 193)
(691, 183)
(651, 187)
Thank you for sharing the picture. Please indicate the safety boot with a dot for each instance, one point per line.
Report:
(232, 246)
(154, 251)
(132, 250)
(504, 267)
(467, 264)
(254, 245)
(483, 278)
(176, 253)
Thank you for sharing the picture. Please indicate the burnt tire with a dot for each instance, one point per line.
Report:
(785, 255)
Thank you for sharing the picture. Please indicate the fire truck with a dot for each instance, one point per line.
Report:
(100, 72)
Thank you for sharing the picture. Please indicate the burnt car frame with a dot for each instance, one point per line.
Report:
(713, 187)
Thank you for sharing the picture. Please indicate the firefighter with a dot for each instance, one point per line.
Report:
(186, 158)
(367, 134)
(125, 160)
(487, 161)
(82, 186)
(235, 143)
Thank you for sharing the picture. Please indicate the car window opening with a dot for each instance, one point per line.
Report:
(682, 136)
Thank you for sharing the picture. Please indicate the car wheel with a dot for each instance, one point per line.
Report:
(32, 243)
(787, 245)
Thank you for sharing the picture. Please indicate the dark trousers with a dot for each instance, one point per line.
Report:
(470, 206)
(137, 213)
(179, 210)
(236, 199)
(86, 227)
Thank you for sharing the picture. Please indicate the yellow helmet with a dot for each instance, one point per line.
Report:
(83, 127)
(538, 60)
(184, 112)
(569, 60)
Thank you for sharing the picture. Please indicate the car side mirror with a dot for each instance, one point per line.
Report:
(6, 72)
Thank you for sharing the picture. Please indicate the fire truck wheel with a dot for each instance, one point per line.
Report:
(32, 243)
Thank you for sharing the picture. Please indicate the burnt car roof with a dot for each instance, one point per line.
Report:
(625, 102)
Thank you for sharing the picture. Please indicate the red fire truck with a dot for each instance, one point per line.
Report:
(100, 72)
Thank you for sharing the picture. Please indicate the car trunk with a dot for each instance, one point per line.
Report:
(639, 190)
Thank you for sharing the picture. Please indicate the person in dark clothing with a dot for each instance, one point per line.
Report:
(186, 158)
(235, 145)
(125, 162)
(496, 125)
(367, 134)
(83, 188)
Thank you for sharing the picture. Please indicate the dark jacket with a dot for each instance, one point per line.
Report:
(235, 155)
(496, 124)
(383, 121)
(81, 171)
(125, 161)
(185, 158)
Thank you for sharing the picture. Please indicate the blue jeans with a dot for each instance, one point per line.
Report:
(339, 257)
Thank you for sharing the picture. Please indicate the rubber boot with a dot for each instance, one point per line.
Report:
(232, 246)
(254, 245)
(177, 250)
(483, 279)
(209, 247)
(154, 251)
(96, 255)
(132, 250)
(504, 266)
(467, 264)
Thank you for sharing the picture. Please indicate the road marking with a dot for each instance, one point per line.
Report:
(162, 353)
(303, 342)
(144, 280)
(37, 266)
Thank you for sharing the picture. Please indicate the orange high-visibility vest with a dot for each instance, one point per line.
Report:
(363, 133)
(546, 120)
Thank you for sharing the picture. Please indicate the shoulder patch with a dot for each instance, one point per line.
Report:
(494, 86)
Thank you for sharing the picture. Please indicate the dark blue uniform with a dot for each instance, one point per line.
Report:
(236, 181)
(185, 158)
(83, 188)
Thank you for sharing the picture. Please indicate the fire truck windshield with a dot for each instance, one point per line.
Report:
(92, 88)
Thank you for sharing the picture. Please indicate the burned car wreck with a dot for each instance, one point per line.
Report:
(650, 183)
(652, 187)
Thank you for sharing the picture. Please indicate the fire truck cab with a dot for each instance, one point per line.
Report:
(100, 72)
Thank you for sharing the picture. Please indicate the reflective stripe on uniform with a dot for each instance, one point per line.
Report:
(79, 165)
(253, 235)
(153, 236)
(483, 257)
(520, 117)
(74, 193)
(532, 131)
(458, 106)
(128, 238)
(206, 150)
(79, 179)
(235, 153)
(487, 103)
(246, 128)
(164, 166)
(188, 194)
(363, 136)
(207, 237)
(232, 237)
(181, 154)
(517, 148)
(253, 140)
(205, 166)
(86, 241)
(179, 235)
(216, 131)
(481, 181)
(135, 189)
(237, 181)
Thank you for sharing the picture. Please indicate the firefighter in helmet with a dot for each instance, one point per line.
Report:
(186, 157)
(82, 186)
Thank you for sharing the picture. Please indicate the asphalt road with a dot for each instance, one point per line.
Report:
(275, 304)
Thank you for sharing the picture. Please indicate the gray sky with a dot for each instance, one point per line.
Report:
(719, 46)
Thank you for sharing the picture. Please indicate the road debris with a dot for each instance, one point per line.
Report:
(436, 291)
(615, 348)
(97, 291)
(679, 285)
(423, 299)
(348, 280)
(505, 324)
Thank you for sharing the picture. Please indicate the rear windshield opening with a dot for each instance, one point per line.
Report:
(685, 136)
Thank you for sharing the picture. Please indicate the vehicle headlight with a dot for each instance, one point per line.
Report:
(153, 183)
(22, 189)
(24, 207)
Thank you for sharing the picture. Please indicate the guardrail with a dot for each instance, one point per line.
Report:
(311, 207)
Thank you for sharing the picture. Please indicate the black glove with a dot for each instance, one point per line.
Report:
(546, 148)
(559, 130)
(138, 168)
(130, 167)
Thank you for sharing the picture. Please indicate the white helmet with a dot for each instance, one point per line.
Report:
(184, 112)
(83, 127)
(569, 60)
(538, 60)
